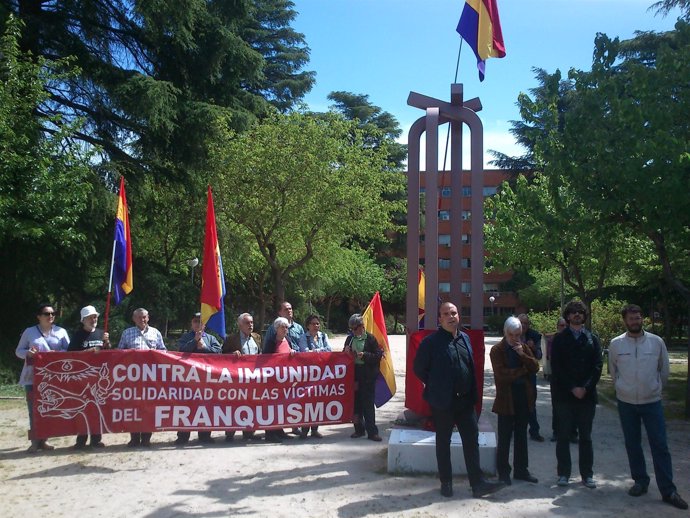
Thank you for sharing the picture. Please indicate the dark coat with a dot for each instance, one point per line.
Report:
(372, 357)
(504, 376)
(433, 366)
(232, 343)
(575, 363)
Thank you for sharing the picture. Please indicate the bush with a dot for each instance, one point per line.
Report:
(606, 320)
(545, 321)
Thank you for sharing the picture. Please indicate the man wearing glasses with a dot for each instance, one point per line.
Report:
(575, 371)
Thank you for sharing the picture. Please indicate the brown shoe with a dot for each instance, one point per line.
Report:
(376, 437)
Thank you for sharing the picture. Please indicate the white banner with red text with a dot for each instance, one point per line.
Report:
(147, 391)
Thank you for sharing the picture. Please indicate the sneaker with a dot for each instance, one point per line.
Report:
(485, 488)
(563, 481)
(637, 490)
(675, 500)
(589, 482)
(447, 489)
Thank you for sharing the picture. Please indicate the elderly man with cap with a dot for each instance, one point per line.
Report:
(89, 339)
(196, 340)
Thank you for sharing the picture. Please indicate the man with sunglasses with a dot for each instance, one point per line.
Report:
(576, 364)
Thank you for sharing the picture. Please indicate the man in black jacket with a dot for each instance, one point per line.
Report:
(575, 371)
(444, 364)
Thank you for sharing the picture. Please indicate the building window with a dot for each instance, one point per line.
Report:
(467, 191)
(445, 192)
(466, 215)
(465, 239)
(465, 287)
(444, 239)
(465, 262)
(422, 190)
(489, 191)
(491, 287)
(444, 264)
(444, 215)
(444, 287)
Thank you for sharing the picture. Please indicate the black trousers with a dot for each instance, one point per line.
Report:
(464, 417)
(580, 414)
(365, 416)
(513, 427)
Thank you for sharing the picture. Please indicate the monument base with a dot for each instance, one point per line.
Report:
(414, 451)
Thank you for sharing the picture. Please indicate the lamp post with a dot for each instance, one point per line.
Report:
(492, 299)
(192, 263)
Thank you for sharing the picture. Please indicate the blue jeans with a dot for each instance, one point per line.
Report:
(652, 415)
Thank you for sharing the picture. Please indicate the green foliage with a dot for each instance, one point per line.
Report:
(606, 320)
(51, 202)
(297, 186)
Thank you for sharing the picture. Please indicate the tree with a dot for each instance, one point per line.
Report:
(51, 202)
(154, 75)
(298, 185)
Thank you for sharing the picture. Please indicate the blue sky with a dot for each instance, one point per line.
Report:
(387, 48)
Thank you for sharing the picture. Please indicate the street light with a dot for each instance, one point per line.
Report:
(193, 263)
(492, 299)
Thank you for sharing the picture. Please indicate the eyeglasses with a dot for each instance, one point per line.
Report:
(577, 311)
(48, 314)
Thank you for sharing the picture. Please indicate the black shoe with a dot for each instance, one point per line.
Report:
(637, 490)
(97, 445)
(505, 479)
(79, 446)
(273, 437)
(675, 500)
(180, 441)
(133, 444)
(206, 440)
(357, 435)
(447, 489)
(303, 436)
(146, 444)
(574, 439)
(527, 477)
(485, 488)
(537, 438)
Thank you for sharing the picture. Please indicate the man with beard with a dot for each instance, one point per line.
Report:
(639, 367)
(575, 371)
(88, 338)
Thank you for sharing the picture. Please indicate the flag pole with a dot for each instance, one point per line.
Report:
(110, 288)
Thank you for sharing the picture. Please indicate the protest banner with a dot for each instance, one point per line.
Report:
(128, 391)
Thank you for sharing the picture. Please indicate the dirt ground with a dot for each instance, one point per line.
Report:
(335, 476)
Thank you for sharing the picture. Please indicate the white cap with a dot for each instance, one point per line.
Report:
(87, 311)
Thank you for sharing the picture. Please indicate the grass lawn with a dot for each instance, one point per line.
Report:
(13, 390)
(674, 392)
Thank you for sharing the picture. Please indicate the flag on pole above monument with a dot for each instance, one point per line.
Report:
(480, 27)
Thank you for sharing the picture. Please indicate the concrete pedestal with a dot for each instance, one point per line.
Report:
(414, 451)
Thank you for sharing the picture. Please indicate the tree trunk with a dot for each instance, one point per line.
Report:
(278, 287)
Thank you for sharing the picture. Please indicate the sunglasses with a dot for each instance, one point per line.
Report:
(577, 312)
(48, 314)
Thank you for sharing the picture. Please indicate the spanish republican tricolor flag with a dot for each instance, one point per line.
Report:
(122, 252)
(480, 27)
(375, 325)
(212, 278)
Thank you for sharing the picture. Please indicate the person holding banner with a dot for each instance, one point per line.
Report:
(244, 342)
(313, 341)
(295, 331)
(141, 337)
(197, 341)
(89, 338)
(367, 353)
(41, 338)
(278, 344)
